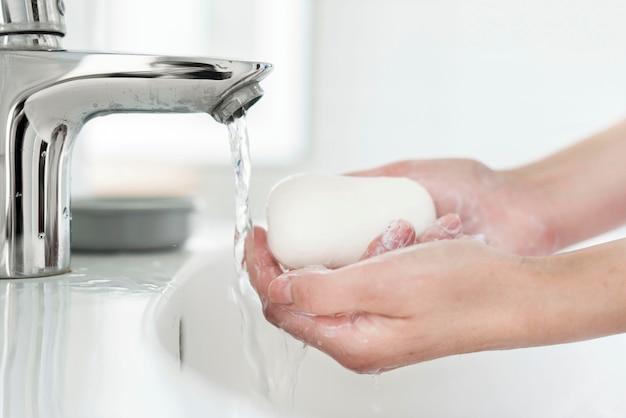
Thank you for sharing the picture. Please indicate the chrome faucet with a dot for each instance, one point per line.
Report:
(46, 96)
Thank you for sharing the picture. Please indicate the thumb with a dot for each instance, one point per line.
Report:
(354, 288)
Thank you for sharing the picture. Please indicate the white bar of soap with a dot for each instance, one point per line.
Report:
(329, 220)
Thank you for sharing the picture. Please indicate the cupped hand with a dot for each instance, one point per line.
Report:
(398, 234)
(398, 307)
(496, 204)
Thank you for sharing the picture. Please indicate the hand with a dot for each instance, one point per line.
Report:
(398, 308)
(441, 298)
(398, 234)
(495, 204)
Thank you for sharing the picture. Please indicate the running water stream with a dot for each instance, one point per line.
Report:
(272, 356)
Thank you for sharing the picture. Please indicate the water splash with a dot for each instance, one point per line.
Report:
(272, 356)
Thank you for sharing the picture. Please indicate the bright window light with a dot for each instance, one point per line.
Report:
(275, 31)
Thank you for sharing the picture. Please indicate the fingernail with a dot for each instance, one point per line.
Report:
(280, 291)
(398, 234)
(451, 224)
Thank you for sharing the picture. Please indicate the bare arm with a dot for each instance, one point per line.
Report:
(535, 209)
(582, 188)
(443, 298)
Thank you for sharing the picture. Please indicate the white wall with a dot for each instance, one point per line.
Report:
(504, 81)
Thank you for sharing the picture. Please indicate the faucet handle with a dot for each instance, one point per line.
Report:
(32, 17)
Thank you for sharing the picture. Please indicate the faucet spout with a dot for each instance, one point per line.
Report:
(45, 99)
(237, 102)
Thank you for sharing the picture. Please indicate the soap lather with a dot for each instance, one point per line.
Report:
(329, 220)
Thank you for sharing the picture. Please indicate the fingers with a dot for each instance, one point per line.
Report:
(447, 227)
(262, 267)
(312, 288)
(398, 234)
(360, 287)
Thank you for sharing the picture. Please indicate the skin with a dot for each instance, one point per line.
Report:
(489, 203)
(443, 293)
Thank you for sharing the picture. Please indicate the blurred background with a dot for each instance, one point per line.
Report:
(357, 83)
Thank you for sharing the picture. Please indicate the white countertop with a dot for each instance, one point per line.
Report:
(85, 344)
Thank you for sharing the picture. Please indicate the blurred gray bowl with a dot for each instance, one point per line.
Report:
(130, 224)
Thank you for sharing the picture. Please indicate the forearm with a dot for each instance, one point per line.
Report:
(577, 295)
(582, 189)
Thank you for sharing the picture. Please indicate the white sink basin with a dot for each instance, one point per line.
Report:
(583, 379)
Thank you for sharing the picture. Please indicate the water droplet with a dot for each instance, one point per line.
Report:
(43, 154)
(18, 195)
(376, 404)
(66, 213)
(41, 235)
(376, 377)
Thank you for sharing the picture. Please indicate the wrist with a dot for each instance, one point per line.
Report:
(574, 296)
(532, 189)
(580, 190)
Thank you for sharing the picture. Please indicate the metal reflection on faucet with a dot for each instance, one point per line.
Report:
(47, 94)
